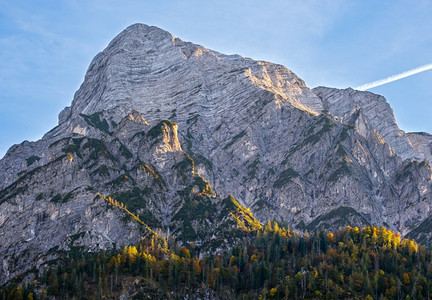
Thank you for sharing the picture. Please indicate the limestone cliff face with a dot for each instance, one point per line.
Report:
(376, 110)
(422, 144)
(170, 129)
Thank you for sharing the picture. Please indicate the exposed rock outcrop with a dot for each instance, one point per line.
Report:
(422, 145)
(170, 130)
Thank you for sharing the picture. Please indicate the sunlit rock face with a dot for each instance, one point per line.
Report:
(158, 121)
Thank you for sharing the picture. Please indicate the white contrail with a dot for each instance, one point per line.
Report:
(393, 78)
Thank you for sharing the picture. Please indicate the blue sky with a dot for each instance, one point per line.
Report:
(46, 47)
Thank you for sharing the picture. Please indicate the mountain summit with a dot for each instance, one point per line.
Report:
(148, 69)
(168, 136)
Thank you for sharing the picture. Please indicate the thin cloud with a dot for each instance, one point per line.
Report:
(373, 84)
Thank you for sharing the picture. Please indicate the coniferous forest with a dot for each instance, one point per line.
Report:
(271, 263)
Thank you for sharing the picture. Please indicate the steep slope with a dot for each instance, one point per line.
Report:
(422, 144)
(375, 109)
(95, 193)
(165, 131)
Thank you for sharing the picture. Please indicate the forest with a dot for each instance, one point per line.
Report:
(271, 263)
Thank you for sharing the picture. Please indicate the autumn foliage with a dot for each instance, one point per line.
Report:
(276, 263)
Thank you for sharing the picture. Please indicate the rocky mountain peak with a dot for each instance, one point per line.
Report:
(165, 135)
(139, 33)
(147, 69)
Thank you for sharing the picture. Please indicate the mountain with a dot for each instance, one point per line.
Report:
(168, 137)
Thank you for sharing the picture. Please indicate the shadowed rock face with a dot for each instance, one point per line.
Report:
(422, 144)
(170, 129)
(375, 109)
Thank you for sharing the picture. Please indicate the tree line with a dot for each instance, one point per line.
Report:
(273, 263)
